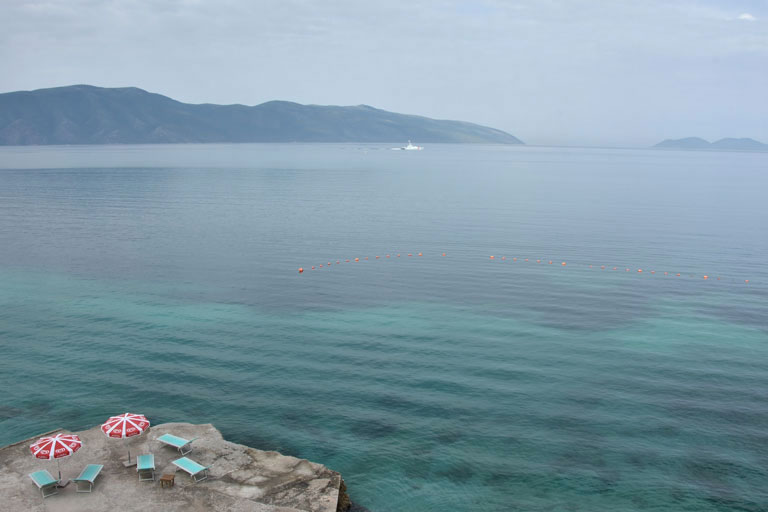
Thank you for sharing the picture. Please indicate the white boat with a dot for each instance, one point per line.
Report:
(410, 147)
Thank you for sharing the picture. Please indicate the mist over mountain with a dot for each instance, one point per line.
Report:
(84, 114)
(729, 144)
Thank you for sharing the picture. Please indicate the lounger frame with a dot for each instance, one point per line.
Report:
(53, 485)
(179, 463)
(146, 473)
(180, 447)
(90, 481)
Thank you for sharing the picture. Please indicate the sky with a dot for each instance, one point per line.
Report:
(551, 72)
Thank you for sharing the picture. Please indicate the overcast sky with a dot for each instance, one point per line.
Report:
(571, 72)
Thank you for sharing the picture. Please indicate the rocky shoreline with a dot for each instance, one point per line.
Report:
(241, 478)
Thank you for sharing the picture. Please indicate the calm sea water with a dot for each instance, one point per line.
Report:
(163, 280)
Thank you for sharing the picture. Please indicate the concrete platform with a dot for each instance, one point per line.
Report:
(241, 478)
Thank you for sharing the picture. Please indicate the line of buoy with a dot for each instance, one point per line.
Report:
(705, 277)
(365, 258)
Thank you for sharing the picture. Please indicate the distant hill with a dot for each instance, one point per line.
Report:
(740, 144)
(83, 114)
(728, 144)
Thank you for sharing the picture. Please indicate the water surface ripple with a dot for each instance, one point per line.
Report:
(162, 280)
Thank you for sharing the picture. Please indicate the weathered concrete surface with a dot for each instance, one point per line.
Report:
(241, 478)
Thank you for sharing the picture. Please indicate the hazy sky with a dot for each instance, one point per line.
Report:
(607, 72)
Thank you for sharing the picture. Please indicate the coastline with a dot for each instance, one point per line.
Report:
(241, 477)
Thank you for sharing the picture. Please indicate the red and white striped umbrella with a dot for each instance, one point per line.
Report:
(125, 425)
(55, 447)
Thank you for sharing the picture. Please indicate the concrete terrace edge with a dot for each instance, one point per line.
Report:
(33, 438)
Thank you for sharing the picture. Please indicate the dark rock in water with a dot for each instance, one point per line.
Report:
(344, 503)
(358, 508)
(83, 114)
(373, 429)
(7, 412)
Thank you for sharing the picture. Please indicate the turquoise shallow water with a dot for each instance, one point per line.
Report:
(431, 383)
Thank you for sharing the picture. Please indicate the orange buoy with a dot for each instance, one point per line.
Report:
(550, 262)
(321, 266)
(313, 267)
(563, 264)
(301, 270)
(337, 262)
(627, 270)
(514, 259)
(503, 257)
(329, 263)
(678, 275)
(443, 254)
(653, 271)
(602, 267)
(665, 273)
(347, 261)
(357, 259)
(706, 277)
(746, 280)
(538, 261)
(377, 257)
(614, 268)
(410, 254)
(640, 270)
(491, 257)
(526, 259)
(398, 255)
(419, 254)
(366, 257)
(387, 255)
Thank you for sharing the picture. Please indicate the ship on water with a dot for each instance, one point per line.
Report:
(409, 147)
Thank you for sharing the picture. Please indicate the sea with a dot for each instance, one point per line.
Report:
(476, 327)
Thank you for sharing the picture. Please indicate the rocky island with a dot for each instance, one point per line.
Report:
(241, 478)
(727, 144)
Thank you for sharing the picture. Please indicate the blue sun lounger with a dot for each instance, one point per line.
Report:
(145, 466)
(45, 482)
(177, 442)
(193, 468)
(87, 476)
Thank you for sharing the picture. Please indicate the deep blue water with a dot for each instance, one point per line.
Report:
(163, 280)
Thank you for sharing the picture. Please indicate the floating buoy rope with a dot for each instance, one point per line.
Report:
(704, 277)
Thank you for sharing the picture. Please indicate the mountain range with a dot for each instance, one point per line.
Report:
(84, 114)
(729, 144)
